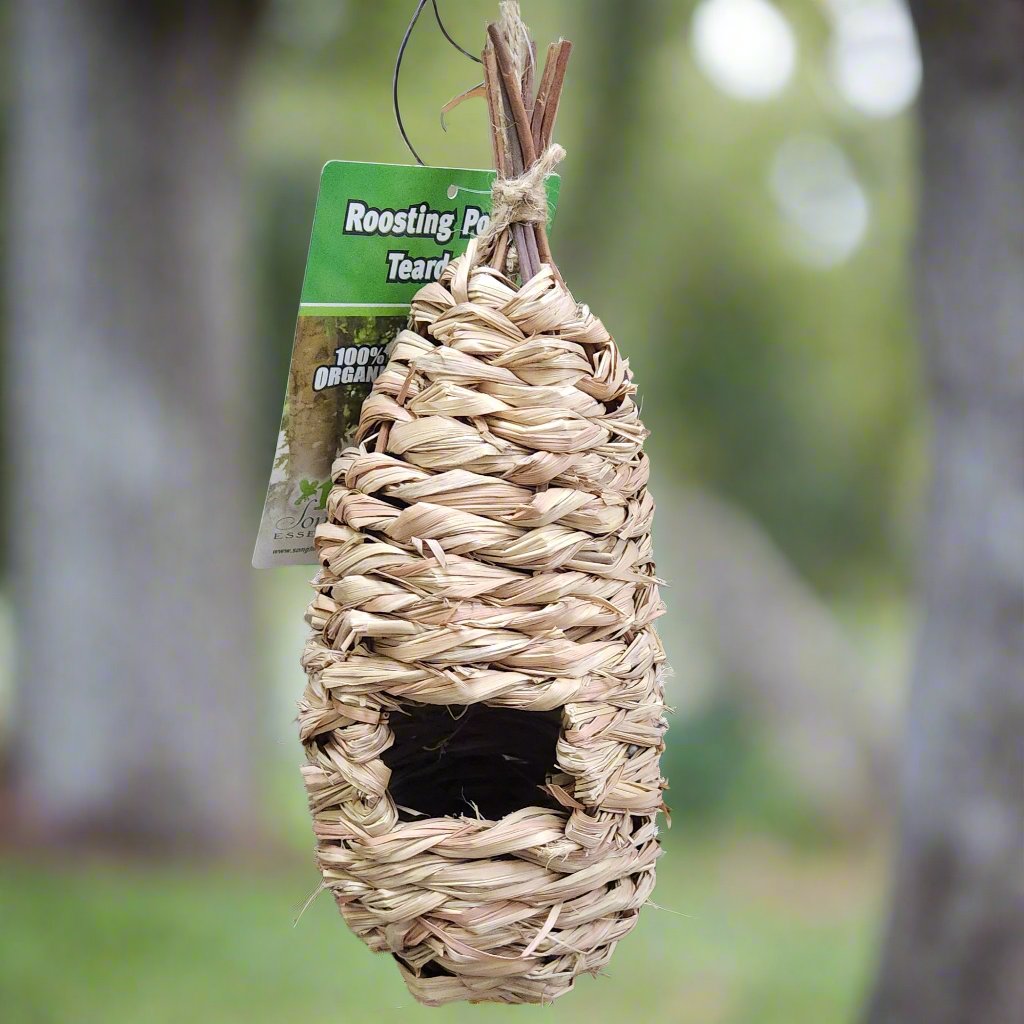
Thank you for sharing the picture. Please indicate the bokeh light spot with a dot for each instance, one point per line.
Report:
(824, 206)
(874, 59)
(746, 47)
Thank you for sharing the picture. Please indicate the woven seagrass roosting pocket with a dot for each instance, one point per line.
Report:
(484, 717)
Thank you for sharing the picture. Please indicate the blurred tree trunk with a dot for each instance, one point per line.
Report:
(132, 513)
(955, 947)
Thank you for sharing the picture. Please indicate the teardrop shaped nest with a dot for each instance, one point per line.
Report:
(496, 552)
(484, 714)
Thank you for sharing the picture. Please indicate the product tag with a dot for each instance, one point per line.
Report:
(380, 232)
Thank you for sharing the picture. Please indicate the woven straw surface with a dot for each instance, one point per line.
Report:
(489, 543)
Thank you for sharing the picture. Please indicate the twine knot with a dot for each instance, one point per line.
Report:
(520, 200)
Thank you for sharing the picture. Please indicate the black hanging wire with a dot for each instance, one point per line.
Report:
(398, 67)
(394, 80)
(445, 33)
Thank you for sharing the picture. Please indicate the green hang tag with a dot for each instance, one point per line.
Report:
(380, 232)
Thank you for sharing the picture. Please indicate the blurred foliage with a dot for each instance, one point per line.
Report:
(719, 770)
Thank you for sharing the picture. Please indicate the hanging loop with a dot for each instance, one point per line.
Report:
(398, 67)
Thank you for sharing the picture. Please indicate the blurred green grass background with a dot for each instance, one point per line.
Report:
(745, 930)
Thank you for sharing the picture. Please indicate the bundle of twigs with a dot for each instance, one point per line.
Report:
(483, 718)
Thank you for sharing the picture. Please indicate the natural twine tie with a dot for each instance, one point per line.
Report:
(519, 200)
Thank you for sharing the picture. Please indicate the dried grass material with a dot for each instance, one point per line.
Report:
(489, 544)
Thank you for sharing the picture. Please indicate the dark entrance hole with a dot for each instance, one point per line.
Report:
(457, 760)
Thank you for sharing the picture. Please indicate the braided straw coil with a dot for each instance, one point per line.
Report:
(484, 715)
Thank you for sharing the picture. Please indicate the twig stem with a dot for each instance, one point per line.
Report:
(521, 128)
